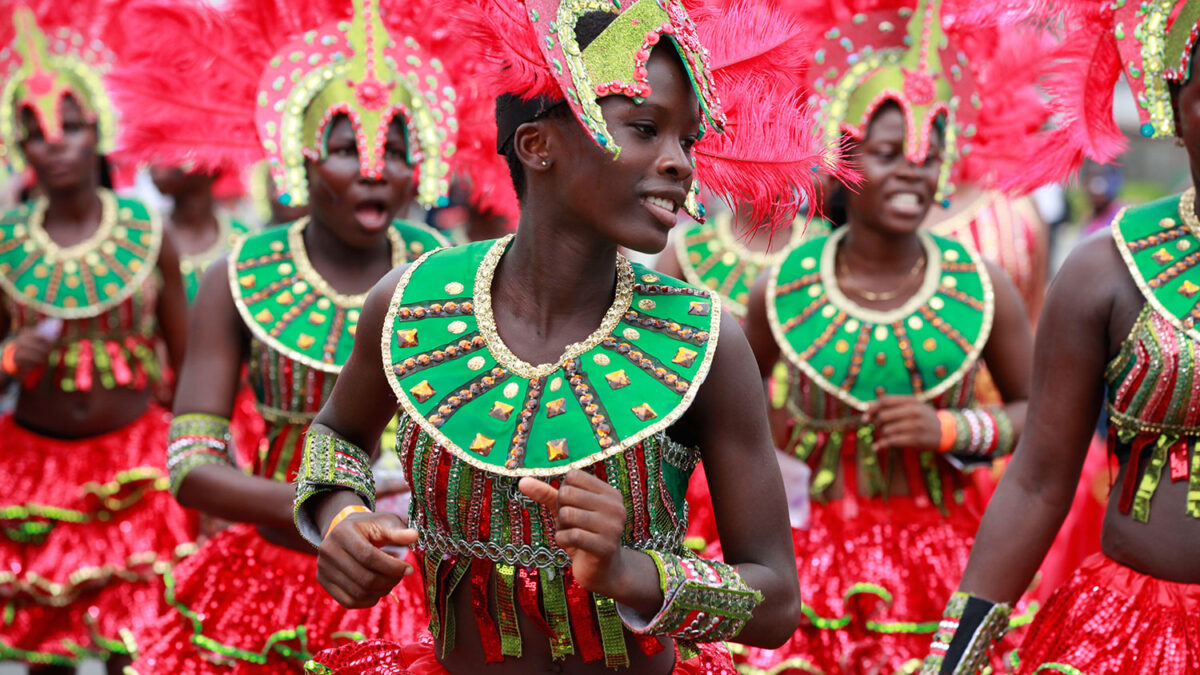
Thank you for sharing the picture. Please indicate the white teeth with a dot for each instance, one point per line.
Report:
(664, 203)
(904, 199)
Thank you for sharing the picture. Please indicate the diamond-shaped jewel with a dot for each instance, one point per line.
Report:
(698, 308)
(422, 392)
(1188, 289)
(1163, 257)
(644, 412)
(685, 357)
(617, 379)
(557, 449)
(305, 341)
(501, 411)
(482, 445)
(408, 337)
(556, 407)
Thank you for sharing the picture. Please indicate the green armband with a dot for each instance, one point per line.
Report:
(982, 432)
(330, 463)
(703, 600)
(195, 439)
(970, 627)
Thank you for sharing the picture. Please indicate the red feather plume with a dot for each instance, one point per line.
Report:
(192, 77)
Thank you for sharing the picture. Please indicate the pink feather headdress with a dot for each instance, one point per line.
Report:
(264, 78)
(759, 152)
(1150, 41)
(965, 69)
(50, 50)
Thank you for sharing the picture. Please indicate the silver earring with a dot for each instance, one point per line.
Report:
(545, 163)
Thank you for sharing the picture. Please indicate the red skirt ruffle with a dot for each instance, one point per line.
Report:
(875, 577)
(88, 528)
(383, 657)
(258, 608)
(1110, 619)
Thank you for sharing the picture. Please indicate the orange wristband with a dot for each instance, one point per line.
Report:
(949, 430)
(353, 508)
(8, 360)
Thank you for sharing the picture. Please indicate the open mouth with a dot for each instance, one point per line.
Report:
(371, 214)
(906, 203)
(662, 208)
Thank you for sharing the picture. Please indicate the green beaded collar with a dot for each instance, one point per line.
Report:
(1160, 243)
(290, 308)
(86, 279)
(193, 266)
(711, 257)
(630, 379)
(920, 349)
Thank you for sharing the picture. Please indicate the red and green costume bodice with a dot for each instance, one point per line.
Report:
(1154, 382)
(842, 356)
(302, 331)
(104, 290)
(476, 418)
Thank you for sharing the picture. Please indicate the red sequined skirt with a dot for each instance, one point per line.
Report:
(382, 657)
(257, 608)
(1112, 620)
(88, 527)
(875, 577)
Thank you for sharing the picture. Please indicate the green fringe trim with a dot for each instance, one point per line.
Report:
(892, 627)
(138, 567)
(276, 643)
(31, 523)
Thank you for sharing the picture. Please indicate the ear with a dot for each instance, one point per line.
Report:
(534, 143)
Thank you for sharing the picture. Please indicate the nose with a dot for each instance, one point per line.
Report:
(674, 161)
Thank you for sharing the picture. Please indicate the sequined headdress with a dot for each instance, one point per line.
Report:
(1150, 41)
(1155, 40)
(277, 72)
(50, 53)
(758, 146)
(942, 62)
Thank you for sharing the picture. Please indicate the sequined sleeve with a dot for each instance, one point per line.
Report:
(703, 600)
(330, 463)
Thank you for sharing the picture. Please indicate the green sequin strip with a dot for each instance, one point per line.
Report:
(194, 440)
(703, 600)
(223, 654)
(330, 463)
(31, 523)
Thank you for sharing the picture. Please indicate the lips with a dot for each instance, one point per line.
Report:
(664, 209)
(372, 215)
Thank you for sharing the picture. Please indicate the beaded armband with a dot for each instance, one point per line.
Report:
(969, 628)
(195, 439)
(330, 463)
(703, 600)
(981, 432)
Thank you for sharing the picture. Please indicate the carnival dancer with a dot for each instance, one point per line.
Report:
(201, 233)
(89, 288)
(883, 327)
(1119, 327)
(548, 509)
(355, 115)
